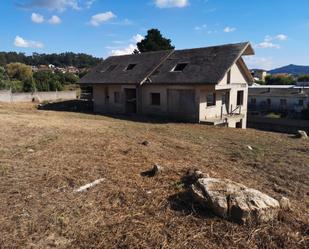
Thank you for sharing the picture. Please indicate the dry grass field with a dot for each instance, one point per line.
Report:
(45, 155)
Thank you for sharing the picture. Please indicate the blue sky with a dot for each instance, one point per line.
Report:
(278, 29)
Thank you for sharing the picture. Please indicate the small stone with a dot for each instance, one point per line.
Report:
(302, 134)
(285, 203)
(157, 169)
(145, 143)
(30, 150)
(193, 175)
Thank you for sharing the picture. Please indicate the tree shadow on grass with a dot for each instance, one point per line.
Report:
(83, 106)
(80, 106)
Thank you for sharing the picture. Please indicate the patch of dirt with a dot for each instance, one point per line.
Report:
(45, 155)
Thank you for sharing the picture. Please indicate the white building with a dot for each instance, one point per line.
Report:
(278, 98)
(206, 85)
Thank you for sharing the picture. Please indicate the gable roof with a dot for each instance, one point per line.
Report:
(145, 63)
(204, 66)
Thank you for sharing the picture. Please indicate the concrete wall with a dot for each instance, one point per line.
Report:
(165, 93)
(103, 97)
(278, 125)
(292, 103)
(7, 96)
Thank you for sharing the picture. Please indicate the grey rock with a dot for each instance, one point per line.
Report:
(157, 169)
(302, 134)
(285, 203)
(193, 175)
(234, 201)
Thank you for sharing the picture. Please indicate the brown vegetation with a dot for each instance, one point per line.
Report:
(45, 155)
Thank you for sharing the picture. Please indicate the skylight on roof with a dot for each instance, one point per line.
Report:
(179, 67)
(130, 67)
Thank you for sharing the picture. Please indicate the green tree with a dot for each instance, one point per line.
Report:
(19, 71)
(4, 84)
(279, 80)
(48, 81)
(154, 41)
(304, 78)
(29, 85)
(16, 85)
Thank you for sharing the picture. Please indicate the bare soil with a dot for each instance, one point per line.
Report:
(45, 155)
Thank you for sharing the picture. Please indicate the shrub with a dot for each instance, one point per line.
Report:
(304, 78)
(279, 80)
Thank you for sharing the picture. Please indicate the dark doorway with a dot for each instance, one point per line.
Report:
(240, 98)
(226, 102)
(239, 124)
(130, 100)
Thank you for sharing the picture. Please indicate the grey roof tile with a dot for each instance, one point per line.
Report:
(205, 66)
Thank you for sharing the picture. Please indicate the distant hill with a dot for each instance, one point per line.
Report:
(291, 69)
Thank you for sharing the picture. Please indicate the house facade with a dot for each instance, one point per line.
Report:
(206, 85)
(284, 99)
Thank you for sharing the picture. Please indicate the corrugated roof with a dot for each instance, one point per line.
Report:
(204, 65)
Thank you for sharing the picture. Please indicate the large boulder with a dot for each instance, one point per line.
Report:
(234, 201)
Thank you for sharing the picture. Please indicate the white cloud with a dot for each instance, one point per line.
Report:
(128, 49)
(269, 41)
(101, 18)
(197, 28)
(37, 18)
(171, 3)
(137, 38)
(22, 43)
(54, 20)
(204, 28)
(259, 62)
(281, 37)
(229, 29)
(55, 5)
(58, 5)
(268, 44)
(89, 3)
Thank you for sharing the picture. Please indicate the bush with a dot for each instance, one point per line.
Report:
(279, 80)
(48, 81)
(29, 85)
(16, 86)
(260, 82)
(304, 78)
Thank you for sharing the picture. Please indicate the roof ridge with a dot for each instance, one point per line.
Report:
(150, 52)
(214, 46)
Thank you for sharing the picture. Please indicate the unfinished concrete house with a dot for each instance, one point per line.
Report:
(207, 85)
